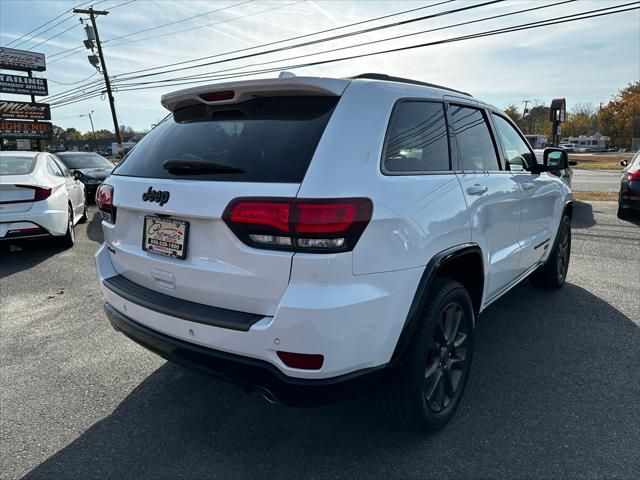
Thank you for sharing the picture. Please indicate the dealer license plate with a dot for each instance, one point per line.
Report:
(165, 236)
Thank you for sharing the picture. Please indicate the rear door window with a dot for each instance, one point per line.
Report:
(53, 168)
(416, 140)
(476, 151)
(270, 139)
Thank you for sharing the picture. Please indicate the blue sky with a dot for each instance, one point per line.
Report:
(584, 61)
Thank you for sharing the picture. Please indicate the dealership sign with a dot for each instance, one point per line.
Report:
(23, 60)
(24, 111)
(22, 129)
(23, 85)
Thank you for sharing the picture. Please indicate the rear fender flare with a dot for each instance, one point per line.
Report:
(422, 292)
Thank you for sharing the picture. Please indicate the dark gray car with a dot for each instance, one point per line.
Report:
(629, 196)
(90, 168)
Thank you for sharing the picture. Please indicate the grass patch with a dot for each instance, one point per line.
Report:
(596, 196)
(600, 162)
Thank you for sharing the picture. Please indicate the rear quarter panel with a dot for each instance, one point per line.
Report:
(414, 216)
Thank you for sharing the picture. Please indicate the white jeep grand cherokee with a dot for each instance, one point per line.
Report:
(315, 237)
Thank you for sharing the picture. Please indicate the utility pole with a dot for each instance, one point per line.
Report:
(95, 142)
(524, 114)
(92, 15)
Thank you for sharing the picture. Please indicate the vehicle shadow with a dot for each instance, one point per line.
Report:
(582, 215)
(94, 226)
(551, 394)
(19, 255)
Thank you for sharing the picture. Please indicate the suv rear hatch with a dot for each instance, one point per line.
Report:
(251, 139)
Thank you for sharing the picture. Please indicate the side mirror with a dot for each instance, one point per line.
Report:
(623, 163)
(555, 158)
(77, 174)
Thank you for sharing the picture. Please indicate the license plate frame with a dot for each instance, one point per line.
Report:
(170, 250)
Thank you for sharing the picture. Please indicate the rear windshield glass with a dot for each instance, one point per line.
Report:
(16, 165)
(262, 140)
(88, 160)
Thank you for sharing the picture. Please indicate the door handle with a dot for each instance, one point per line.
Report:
(528, 186)
(477, 190)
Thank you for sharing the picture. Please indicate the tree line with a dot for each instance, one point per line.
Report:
(618, 119)
(65, 135)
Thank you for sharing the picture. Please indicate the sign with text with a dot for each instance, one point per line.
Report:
(22, 129)
(23, 60)
(23, 85)
(24, 111)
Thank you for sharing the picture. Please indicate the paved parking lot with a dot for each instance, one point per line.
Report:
(554, 389)
(595, 181)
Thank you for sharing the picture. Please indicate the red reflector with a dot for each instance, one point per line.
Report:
(217, 96)
(26, 230)
(304, 361)
(40, 192)
(270, 214)
(634, 176)
(324, 217)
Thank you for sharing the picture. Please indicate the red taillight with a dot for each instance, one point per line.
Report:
(41, 193)
(324, 217)
(104, 200)
(269, 214)
(304, 361)
(310, 225)
(217, 96)
(634, 176)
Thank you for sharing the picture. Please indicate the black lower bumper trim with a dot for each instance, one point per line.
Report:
(248, 372)
(180, 308)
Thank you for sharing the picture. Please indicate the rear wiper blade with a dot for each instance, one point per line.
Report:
(195, 167)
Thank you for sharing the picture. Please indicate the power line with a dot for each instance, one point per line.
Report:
(78, 49)
(43, 25)
(268, 44)
(515, 28)
(51, 27)
(76, 25)
(206, 24)
(297, 37)
(119, 5)
(74, 83)
(178, 21)
(371, 42)
(335, 37)
(72, 94)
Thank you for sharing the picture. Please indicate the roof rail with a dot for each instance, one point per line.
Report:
(388, 78)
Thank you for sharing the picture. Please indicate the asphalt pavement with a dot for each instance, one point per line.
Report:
(554, 390)
(595, 180)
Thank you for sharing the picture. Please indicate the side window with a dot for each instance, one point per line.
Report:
(473, 138)
(53, 168)
(516, 152)
(62, 166)
(416, 139)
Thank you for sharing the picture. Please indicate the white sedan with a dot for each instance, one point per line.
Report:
(39, 197)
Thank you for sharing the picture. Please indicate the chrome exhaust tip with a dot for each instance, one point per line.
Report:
(268, 395)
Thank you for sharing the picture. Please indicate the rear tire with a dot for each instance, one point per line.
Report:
(553, 273)
(427, 391)
(69, 238)
(622, 213)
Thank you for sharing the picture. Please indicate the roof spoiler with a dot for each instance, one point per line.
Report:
(234, 92)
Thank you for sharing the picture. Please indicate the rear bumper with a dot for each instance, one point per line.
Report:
(248, 372)
(630, 195)
(41, 214)
(355, 326)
